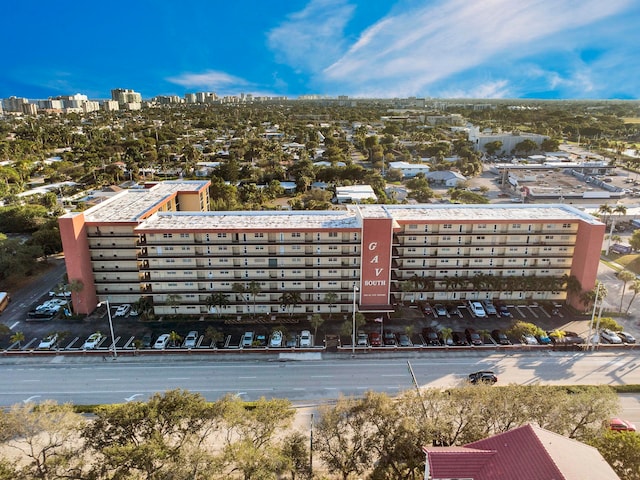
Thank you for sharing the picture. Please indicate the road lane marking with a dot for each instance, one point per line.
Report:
(14, 325)
(179, 378)
(246, 378)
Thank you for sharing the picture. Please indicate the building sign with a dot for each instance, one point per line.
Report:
(376, 261)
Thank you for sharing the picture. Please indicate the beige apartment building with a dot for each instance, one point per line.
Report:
(161, 242)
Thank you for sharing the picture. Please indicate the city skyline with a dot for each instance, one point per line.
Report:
(365, 49)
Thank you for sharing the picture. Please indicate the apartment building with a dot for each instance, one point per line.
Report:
(161, 242)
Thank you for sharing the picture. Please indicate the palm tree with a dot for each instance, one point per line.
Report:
(446, 334)
(635, 288)
(316, 322)
(330, 298)
(173, 300)
(215, 335)
(18, 338)
(605, 212)
(217, 299)
(290, 300)
(75, 286)
(254, 289)
(174, 338)
(625, 277)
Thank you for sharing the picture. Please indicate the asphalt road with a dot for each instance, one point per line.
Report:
(97, 381)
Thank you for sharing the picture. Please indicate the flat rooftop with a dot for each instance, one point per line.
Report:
(132, 205)
(486, 212)
(259, 221)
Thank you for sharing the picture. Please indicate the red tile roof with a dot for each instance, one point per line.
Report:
(524, 453)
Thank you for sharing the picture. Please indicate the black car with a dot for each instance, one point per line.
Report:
(459, 339)
(473, 337)
(485, 376)
(500, 337)
(430, 337)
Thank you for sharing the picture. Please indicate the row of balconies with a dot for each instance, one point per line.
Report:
(535, 230)
(313, 251)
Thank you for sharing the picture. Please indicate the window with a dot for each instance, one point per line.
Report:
(447, 226)
(333, 234)
(258, 235)
(296, 247)
(482, 226)
(184, 235)
(480, 237)
(412, 227)
(517, 226)
(566, 225)
(412, 239)
(295, 235)
(222, 249)
(167, 235)
(222, 235)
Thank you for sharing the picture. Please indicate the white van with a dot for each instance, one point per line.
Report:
(476, 309)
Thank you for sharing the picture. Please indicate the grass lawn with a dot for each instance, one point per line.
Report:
(631, 261)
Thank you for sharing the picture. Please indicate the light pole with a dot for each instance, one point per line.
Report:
(113, 338)
(353, 331)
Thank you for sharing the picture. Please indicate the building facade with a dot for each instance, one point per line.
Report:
(161, 242)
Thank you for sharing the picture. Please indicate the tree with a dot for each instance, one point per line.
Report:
(215, 335)
(330, 298)
(621, 450)
(492, 147)
(339, 438)
(290, 300)
(217, 299)
(18, 338)
(173, 301)
(634, 241)
(316, 322)
(45, 434)
(174, 338)
(296, 455)
(635, 288)
(156, 439)
(625, 276)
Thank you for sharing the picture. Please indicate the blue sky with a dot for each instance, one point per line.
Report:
(362, 48)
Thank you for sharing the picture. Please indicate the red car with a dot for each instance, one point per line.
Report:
(619, 425)
(375, 340)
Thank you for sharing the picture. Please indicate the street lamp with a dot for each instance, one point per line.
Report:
(113, 338)
(353, 331)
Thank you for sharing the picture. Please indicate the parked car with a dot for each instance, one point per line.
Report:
(292, 341)
(146, 340)
(489, 308)
(260, 340)
(503, 311)
(483, 377)
(610, 336)
(573, 338)
(473, 337)
(500, 337)
(445, 341)
(528, 339)
(620, 425)
(305, 339)
(430, 337)
(122, 310)
(441, 310)
(477, 310)
(247, 339)
(276, 339)
(543, 338)
(375, 340)
(627, 337)
(427, 309)
(390, 339)
(454, 310)
(459, 339)
(404, 340)
(162, 341)
(191, 339)
(48, 342)
(362, 340)
(93, 341)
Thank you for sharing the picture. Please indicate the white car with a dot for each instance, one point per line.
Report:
(477, 310)
(93, 341)
(161, 342)
(122, 310)
(610, 336)
(247, 339)
(191, 339)
(305, 339)
(48, 342)
(276, 339)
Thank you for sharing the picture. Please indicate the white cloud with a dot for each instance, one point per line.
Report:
(209, 80)
(312, 38)
(408, 52)
(495, 89)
